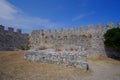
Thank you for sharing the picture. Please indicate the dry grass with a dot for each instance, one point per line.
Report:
(58, 49)
(45, 46)
(42, 48)
(73, 49)
(14, 67)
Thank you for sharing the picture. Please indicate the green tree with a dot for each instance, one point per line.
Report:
(112, 38)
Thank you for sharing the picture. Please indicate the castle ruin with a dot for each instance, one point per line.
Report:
(84, 43)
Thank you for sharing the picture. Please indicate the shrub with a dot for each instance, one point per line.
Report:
(22, 47)
(112, 38)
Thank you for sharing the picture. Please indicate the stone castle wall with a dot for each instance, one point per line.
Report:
(10, 40)
(91, 39)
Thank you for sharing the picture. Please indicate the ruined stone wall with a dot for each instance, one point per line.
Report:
(64, 58)
(10, 40)
(91, 39)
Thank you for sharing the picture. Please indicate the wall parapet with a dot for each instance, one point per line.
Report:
(10, 29)
(90, 27)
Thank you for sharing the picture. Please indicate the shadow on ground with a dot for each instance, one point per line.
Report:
(112, 53)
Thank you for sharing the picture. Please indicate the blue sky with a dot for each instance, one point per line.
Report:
(53, 14)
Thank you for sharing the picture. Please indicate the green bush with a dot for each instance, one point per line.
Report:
(112, 38)
(22, 47)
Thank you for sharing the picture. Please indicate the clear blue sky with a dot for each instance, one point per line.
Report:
(53, 14)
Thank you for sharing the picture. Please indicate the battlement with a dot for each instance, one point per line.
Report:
(19, 31)
(81, 28)
(74, 29)
(91, 27)
(1, 28)
(99, 27)
(110, 25)
(10, 29)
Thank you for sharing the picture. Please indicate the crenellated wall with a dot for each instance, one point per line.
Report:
(91, 39)
(10, 40)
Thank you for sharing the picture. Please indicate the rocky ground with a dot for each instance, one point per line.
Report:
(14, 67)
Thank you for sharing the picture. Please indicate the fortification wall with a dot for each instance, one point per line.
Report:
(91, 39)
(10, 40)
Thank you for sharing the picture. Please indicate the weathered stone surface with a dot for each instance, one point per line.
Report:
(64, 58)
(10, 40)
(91, 39)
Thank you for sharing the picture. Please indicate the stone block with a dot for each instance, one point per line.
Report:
(10, 29)
(18, 31)
(81, 28)
(99, 27)
(91, 27)
(110, 25)
(1, 28)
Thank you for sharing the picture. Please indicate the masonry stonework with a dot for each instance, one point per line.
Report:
(91, 40)
(76, 45)
(64, 58)
(10, 40)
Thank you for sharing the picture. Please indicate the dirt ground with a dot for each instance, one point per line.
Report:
(14, 67)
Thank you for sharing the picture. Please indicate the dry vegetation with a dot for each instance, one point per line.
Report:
(57, 48)
(14, 67)
(67, 49)
(42, 48)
